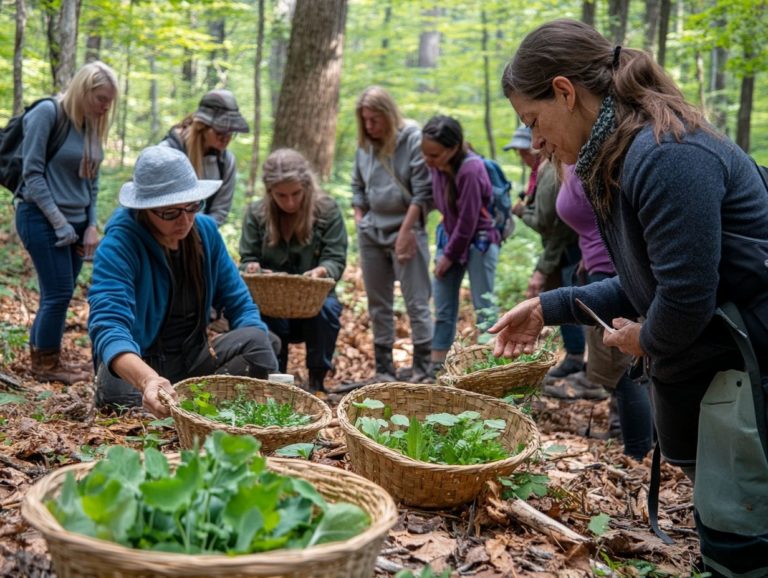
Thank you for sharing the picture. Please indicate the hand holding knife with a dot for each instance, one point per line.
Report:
(594, 316)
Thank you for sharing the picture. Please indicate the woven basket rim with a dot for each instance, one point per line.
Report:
(281, 276)
(549, 359)
(349, 428)
(320, 421)
(38, 516)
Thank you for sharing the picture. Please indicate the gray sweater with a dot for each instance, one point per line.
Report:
(55, 187)
(665, 234)
(376, 191)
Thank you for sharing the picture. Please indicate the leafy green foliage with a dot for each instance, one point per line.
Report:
(222, 501)
(524, 485)
(242, 411)
(12, 340)
(442, 438)
(598, 525)
(11, 398)
(296, 451)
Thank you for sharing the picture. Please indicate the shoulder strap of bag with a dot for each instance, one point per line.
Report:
(60, 130)
(407, 196)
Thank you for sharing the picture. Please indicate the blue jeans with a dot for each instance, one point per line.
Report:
(482, 275)
(319, 333)
(57, 270)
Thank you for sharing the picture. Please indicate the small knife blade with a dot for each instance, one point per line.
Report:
(594, 316)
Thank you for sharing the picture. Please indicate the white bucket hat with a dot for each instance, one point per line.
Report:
(163, 176)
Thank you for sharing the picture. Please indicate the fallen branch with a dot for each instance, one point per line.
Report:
(526, 514)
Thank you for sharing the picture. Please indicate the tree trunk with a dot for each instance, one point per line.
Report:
(487, 86)
(278, 53)
(62, 40)
(93, 43)
(216, 75)
(18, 57)
(745, 111)
(618, 13)
(651, 24)
(429, 40)
(588, 9)
(313, 68)
(700, 82)
(255, 150)
(665, 10)
(719, 96)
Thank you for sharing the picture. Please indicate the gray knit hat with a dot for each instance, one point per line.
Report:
(520, 140)
(163, 176)
(218, 109)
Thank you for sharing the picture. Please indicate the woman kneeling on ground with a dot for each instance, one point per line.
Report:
(296, 228)
(158, 270)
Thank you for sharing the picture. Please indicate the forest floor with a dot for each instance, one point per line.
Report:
(48, 425)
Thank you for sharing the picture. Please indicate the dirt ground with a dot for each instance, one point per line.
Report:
(588, 475)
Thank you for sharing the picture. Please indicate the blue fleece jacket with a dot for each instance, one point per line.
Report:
(665, 233)
(131, 288)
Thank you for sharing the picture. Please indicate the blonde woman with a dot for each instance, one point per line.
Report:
(204, 137)
(392, 194)
(298, 229)
(56, 205)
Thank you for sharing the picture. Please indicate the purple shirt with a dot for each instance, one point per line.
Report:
(574, 209)
(473, 194)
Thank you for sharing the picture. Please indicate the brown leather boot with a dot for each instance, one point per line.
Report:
(47, 366)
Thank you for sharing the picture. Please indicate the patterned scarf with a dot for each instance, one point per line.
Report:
(601, 130)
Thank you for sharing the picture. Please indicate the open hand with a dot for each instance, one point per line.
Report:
(518, 330)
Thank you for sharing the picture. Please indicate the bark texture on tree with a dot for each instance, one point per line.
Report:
(744, 118)
(62, 40)
(309, 98)
(18, 57)
(255, 151)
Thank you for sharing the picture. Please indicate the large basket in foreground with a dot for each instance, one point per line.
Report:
(79, 556)
(223, 387)
(288, 296)
(422, 484)
(518, 377)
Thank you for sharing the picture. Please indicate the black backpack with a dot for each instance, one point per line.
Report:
(12, 136)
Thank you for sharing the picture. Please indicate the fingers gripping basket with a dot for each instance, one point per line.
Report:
(516, 377)
(76, 555)
(419, 483)
(288, 296)
(223, 387)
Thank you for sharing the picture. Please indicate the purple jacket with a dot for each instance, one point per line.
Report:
(474, 193)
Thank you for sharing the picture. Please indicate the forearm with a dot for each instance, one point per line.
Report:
(411, 217)
(133, 369)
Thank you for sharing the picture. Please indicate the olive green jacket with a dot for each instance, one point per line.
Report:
(327, 247)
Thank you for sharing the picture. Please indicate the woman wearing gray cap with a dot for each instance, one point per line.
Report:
(157, 273)
(204, 137)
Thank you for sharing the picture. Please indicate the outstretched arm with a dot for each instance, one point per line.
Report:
(518, 329)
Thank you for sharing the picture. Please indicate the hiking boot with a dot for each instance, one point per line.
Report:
(46, 365)
(385, 368)
(614, 423)
(423, 371)
(571, 363)
(316, 379)
(575, 386)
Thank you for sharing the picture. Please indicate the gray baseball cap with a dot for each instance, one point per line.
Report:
(520, 140)
(218, 109)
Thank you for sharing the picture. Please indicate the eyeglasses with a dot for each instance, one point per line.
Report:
(223, 135)
(173, 214)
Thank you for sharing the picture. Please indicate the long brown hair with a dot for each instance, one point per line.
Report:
(642, 91)
(289, 166)
(191, 132)
(191, 252)
(447, 132)
(379, 100)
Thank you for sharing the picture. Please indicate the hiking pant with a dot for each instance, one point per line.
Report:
(380, 271)
(247, 351)
(481, 267)
(319, 333)
(57, 270)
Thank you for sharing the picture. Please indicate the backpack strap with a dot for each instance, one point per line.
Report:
(60, 131)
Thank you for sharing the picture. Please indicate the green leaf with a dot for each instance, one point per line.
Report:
(231, 449)
(446, 419)
(296, 451)
(168, 494)
(249, 523)
(306, 490)
(499, 424)
(369, 404)
(598, 525)
(340, 522)
(155, 463)
(400, 420)
(10, 398)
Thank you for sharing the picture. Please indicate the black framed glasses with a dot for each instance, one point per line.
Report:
(173, 214)
(223, 135)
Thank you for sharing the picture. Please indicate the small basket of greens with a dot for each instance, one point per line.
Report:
(277, 414)
(475, 368)
(222, 512)
(432, 446)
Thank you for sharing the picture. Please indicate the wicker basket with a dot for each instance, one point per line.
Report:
(78, 556)
(191, 425)
(419, 483)
(519, 377)
(288, 296)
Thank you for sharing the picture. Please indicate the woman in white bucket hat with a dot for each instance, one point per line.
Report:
(158, 271)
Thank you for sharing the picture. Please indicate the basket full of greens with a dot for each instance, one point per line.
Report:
(432, 446)
(222, 512)
(277, 414)
(475, 368)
